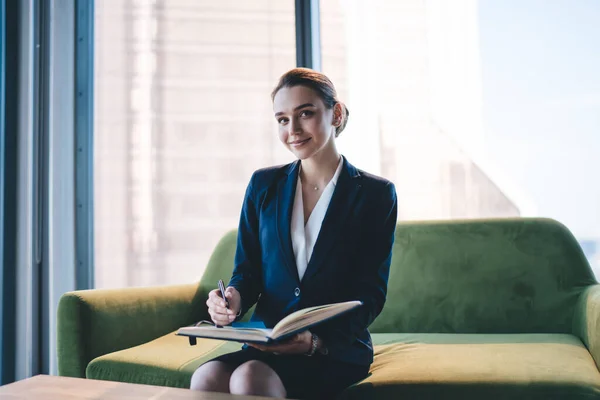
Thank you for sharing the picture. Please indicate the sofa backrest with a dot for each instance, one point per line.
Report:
(484, 276)
(220, 265)
(474, 276)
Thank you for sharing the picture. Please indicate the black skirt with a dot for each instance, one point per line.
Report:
(316, 377)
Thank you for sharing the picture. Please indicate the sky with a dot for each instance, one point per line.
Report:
(540, 63)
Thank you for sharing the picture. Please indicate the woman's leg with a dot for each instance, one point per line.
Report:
(212, 377)
(256, 378)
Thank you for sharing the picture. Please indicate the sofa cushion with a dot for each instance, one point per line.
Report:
(166, 361)
(465, 366)
(477, 366)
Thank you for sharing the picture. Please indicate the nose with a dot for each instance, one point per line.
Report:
(294, 126)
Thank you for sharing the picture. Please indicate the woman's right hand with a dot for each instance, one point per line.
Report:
(219, 314)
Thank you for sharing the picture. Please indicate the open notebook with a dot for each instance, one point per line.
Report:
(252, 332)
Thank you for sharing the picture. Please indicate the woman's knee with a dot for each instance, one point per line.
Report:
(212, 377)
(256, 378)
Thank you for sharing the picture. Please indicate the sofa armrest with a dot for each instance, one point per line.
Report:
(586, 324)
(92, 323)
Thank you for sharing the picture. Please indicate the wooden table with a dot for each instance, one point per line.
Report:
(59, 387)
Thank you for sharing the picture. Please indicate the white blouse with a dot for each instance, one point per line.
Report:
(304, 237)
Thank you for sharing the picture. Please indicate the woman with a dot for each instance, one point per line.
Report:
(316, 231)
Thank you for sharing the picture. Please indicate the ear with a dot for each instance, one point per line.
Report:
(337, 115)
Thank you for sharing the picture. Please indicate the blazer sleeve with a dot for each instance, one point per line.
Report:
(246, 277)
(369, 281)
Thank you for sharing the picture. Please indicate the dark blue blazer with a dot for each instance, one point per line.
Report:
(350, 260)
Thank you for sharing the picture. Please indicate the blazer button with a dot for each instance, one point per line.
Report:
(297, 292)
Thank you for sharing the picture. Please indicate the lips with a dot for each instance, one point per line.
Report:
(298, 143)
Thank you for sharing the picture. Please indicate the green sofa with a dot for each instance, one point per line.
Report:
(495, 309)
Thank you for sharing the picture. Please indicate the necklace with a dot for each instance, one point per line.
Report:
(315, 187)
(310, 185)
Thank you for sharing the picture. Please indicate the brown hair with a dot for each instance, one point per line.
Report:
(317, 82)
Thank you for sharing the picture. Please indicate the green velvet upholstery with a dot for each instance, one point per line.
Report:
(479, 366)
(586, 323)
(505, 308)
(92, 323)
(487, 277)
(165, 361)
(414, 365)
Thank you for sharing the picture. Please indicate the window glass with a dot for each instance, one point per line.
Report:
(474, 109)
(183, 116)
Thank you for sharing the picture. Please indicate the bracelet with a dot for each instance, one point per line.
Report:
(240, 310)
(314, 343)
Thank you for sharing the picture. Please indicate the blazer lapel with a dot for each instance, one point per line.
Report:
(342, 202)
(286, 190)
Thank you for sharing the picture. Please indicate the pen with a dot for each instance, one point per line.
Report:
(222, 289)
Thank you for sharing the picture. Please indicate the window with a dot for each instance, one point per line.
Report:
(183, 118)
(471, 111)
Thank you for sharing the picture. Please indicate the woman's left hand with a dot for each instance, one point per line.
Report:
(300, 343)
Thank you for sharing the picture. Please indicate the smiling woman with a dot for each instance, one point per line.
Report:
(305, 78)
(309, 202)
(310, 117)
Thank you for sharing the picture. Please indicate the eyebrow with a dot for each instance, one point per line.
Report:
(297, 108)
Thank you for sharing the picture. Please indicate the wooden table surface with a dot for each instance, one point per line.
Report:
(59, 387)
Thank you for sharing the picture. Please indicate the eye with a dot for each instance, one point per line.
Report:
(282, 121)
(306, 113)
